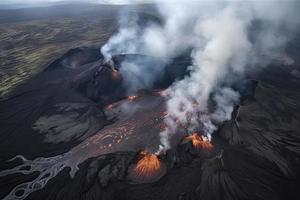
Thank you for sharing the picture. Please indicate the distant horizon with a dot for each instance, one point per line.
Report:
(16, 4)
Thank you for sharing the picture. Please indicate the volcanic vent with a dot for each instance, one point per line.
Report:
(199, 142)
(148, 169)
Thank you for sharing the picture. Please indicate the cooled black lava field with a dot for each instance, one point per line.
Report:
(72, 131)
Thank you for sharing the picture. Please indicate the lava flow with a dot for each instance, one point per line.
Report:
(128, 133)
(199, 142)
(148, 169)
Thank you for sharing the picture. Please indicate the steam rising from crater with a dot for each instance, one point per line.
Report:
(227, 39)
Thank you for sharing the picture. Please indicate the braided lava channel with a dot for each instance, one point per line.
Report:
(139, 122)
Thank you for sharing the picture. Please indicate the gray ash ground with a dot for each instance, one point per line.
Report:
(255, 155)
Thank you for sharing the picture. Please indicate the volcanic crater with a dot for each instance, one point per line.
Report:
(78, 114)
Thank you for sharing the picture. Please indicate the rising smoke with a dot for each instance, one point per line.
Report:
(227, 39)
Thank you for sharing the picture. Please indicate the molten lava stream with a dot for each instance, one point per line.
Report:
(199, 142)
(148, 169)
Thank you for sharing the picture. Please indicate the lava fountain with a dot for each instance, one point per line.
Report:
(148, 169)
(199, 142)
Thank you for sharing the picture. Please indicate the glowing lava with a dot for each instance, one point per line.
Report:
(127, 134)
(148, 169)
(148, 165)
(115, 73)
(132, 98)
(199, 142)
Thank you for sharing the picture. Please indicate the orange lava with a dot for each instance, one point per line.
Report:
(132, 98)
(115, 73)
(148, 166)
(199, 142)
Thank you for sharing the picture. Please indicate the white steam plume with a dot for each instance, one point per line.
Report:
(227, 38)
(225, 50)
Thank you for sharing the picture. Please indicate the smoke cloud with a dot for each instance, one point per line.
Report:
(227, 38)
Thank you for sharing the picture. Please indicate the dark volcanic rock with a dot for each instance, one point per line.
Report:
(255, 156)
(101, 85)
(47, 109)
(76, 58)
(256, 153)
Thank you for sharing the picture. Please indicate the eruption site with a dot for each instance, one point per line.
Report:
(148, 169)
(132, 97)
(144, 115)
(115, 74)
(216, 37)
(161, 86)
(199, 142)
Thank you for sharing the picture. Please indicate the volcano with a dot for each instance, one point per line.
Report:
(199, 142)
(148, 169)
(91, 136)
